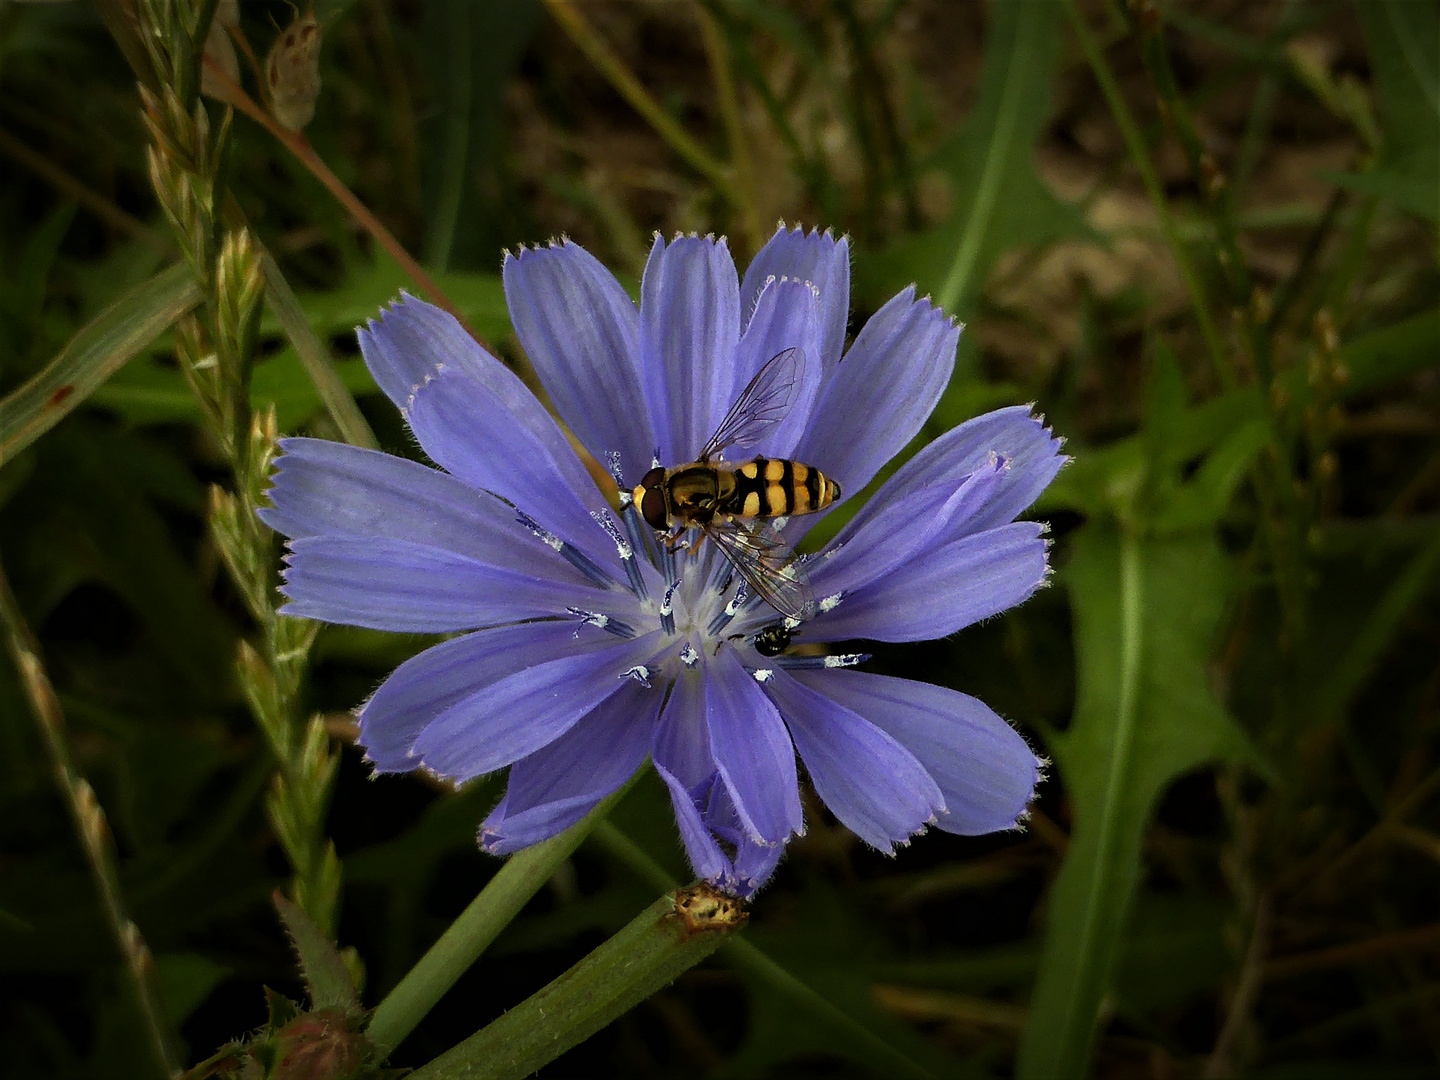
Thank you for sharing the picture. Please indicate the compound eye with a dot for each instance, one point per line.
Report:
(652, 506)
(653, 477)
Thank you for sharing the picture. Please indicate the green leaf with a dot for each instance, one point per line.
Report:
(1147, 611)
(326, 976)
(154, 392)
(1404, 40)
(186, 980)
(665, 940)
(479, 297)
(94, 354)
(1391, 352)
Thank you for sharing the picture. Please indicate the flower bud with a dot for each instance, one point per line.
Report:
(292, 72)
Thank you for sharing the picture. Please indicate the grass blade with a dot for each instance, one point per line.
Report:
(99, 350)
(334, 394)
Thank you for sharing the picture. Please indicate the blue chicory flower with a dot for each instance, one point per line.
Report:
(578, 662)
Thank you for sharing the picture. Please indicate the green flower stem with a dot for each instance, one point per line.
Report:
(90, 826)
(1151, 179)
(656, 947)
(743, 956)
(471, 933)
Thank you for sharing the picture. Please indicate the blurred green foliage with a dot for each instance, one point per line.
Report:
(1232, 868)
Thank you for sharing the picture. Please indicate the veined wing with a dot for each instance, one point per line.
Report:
(769, 566)
(762, 403)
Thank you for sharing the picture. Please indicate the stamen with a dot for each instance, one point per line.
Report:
(626, 552)
(573, 555)
(688, 656)
(617, 474)
(606, 522)
(545, 537)
(667, 564)
(640, 673)
(667, 609)
(830, 603)
(719, 622)
(601, 621)
(636, 529)
(839, 660)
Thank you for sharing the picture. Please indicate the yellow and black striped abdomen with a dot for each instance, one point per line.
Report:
(778, 487)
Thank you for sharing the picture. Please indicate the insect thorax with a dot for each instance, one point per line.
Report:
(697, 491)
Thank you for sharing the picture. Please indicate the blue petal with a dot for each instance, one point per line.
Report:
(427, 684)
(754, 863)
(690, 323)
(559, 784)
(709, 862)
(882, 391)
(939, 591)
(814, 257)
(785, 318)
(1030, 455)
(323, 488)
(703, 803)
(869, 547)
(752, 751)
(681, 741)
(395, 585)
(582, 334)
(413, 340)
(512, 718)
(470, 433)
(986, 771)
(871, 783)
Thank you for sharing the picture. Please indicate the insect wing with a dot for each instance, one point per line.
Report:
(768, 565)
(762, 403)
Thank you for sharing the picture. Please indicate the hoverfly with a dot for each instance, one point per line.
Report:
(731, 504)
